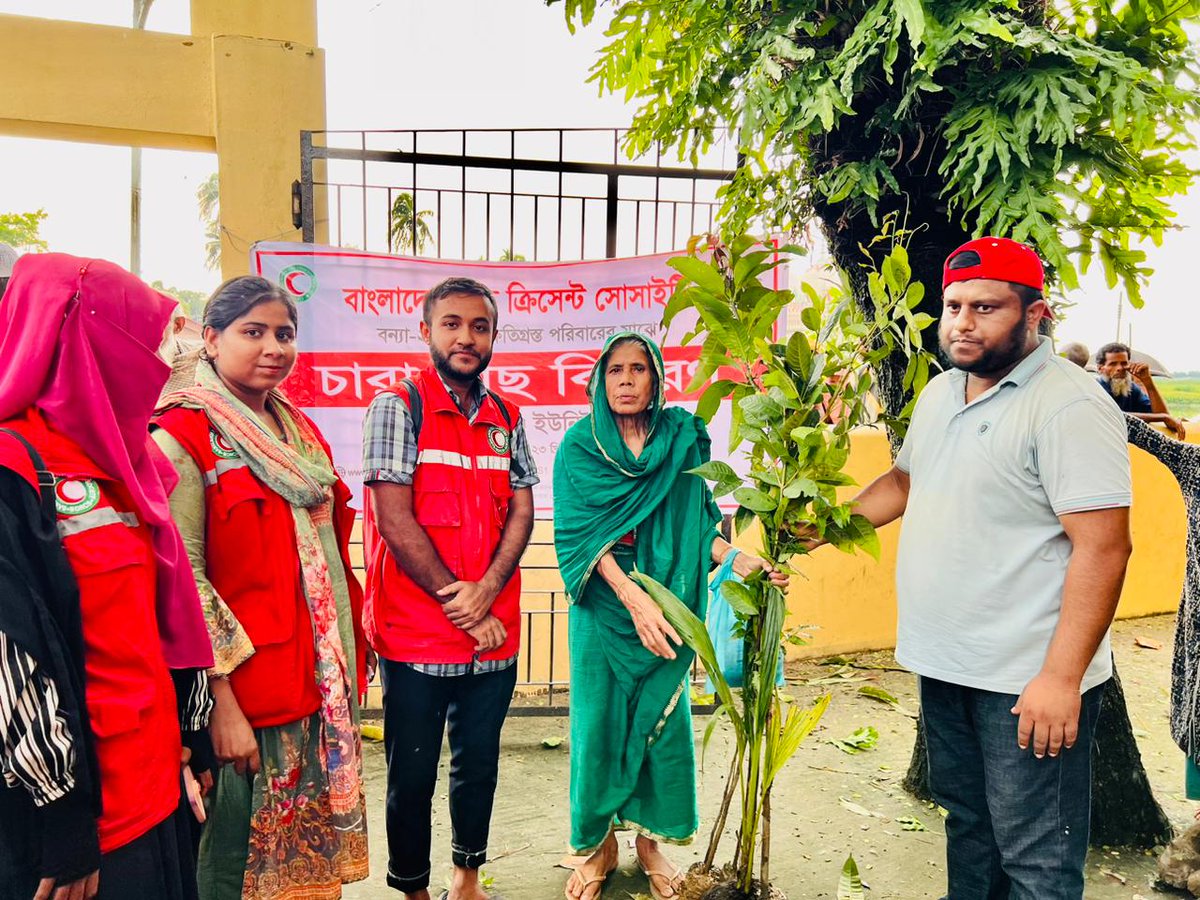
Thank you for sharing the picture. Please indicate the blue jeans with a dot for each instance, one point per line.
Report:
(1017, 827)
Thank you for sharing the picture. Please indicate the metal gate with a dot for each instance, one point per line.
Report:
(545, 194)
(535, 194)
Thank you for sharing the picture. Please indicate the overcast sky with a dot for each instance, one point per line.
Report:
(444, 64)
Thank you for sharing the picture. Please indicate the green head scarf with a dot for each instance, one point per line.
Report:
(602, 491)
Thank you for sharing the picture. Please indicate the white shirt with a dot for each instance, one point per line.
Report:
(983, 555)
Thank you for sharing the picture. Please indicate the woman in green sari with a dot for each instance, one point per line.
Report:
(623, 499)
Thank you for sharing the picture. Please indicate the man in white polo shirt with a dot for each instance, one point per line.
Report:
(1014, 485)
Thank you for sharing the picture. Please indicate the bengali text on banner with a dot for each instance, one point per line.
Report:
(360, 317)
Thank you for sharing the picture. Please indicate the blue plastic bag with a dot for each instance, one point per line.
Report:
(719, 622)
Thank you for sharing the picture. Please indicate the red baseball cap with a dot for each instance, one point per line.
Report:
(1000, 259)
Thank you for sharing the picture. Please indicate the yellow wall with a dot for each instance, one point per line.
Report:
(851, 600)
(243, 85)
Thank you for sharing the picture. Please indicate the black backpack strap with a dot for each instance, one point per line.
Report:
(503, 407)
(45, 476)
(415, 407)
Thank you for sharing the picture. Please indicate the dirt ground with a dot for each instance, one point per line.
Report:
(827, 803)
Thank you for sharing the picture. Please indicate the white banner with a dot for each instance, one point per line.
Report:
(359, 333)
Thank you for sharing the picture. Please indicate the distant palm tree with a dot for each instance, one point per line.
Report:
(406, 223)
(510, 255)
(209, 197)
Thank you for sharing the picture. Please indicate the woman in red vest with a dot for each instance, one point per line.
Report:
(99, 602)
(267, 524)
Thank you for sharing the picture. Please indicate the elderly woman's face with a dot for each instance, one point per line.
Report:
(628, 380)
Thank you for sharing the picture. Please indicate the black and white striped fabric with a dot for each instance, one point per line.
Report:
(196, 704)
(37, 751)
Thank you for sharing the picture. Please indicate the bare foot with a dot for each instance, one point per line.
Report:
(587, 881)
(665, 877)
(465, 886)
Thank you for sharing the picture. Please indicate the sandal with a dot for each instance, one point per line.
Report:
(588, 882)
(670, 877)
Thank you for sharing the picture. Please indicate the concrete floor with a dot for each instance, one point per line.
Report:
(827, 803)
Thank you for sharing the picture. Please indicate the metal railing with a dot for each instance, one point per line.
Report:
(546, 194)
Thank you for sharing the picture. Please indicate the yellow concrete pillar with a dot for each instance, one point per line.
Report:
(264, 93)
(245, 83)
(281, 20)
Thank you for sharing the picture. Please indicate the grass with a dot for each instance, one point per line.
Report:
(1182, 395)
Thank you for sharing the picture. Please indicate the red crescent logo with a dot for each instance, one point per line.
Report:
(288, 283)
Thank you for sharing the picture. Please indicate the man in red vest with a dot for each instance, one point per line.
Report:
(449, 512)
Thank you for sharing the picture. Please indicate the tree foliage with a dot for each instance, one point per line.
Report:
(1060, 123)
(208, 198)
(191, 301)
(22, 231)
(408, 227)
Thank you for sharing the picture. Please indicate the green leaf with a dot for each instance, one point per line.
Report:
(742, 519)
(811, 318)
(754, 499)
(695, 635)
(740, 596)
(550, 743)
(749, 266)
(799, 355)
(801, 487)
(850, 885)
(760, 410)
(914, 20)
(715, 470)
(702, 273)
(859, 741)
(910, 823)
(877, 693)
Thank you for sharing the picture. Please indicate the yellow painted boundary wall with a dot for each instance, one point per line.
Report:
(851, 600)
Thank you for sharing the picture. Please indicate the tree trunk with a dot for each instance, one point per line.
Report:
(1124, 811)
(916, 781)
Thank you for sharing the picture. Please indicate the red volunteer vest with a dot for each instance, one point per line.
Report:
(129, 692)
(460, 498)
(253, 564)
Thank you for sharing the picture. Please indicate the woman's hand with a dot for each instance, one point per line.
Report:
(746, 565)
(372, 661)
(652, 626)
(233, 738)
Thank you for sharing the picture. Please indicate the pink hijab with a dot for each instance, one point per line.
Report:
(77, 341)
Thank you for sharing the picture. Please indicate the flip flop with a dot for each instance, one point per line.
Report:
(445, 895)
(588, 882)
(670, 877)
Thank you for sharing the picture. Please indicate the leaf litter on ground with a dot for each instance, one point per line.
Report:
(844, 675)
(859, 741)
(877, 693)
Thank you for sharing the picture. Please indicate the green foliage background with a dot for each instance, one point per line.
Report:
(1059, 123)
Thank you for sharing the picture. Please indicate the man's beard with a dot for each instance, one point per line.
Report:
(447, 371)
(1121, 387)
(995, 359)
